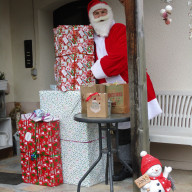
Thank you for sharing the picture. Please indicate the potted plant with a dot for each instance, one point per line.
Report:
(3, 82)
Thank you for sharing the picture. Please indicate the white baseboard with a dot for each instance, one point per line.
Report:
(182, 165)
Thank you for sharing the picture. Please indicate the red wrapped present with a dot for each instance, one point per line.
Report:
(29, 169)
(28, 131)
(69, 39)
(73, 70)
(49, 138)
(42, 169)
(50, 170)
(40, 152)
(74, 49)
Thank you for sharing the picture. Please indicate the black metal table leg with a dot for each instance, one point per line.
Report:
(106, 171)
(117, 146)
(95, 163)
(110, 156)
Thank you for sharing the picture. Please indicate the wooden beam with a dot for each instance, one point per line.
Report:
(137, 83)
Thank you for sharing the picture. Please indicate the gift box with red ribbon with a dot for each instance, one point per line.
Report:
(40, 152)
(74, 50)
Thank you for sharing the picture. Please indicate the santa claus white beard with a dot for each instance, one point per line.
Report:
(102, 25)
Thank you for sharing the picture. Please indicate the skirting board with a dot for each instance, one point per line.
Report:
(182, 165)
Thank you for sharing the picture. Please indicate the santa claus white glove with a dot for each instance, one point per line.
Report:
(98, 71)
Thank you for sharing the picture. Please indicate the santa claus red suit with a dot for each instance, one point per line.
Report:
(111, 66)
(111, 54)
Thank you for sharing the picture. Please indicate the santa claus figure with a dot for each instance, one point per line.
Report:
(153, 168)
(111, 66)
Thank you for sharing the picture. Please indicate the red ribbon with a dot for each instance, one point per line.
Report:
(88, 98)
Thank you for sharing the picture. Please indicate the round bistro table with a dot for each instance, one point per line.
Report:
(108, 127)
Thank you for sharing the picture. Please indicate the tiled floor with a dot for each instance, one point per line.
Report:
(183, 182)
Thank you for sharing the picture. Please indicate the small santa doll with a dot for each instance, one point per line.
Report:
(153, 168)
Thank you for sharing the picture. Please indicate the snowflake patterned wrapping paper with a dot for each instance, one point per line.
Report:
(74, 50)
(65, 105)
(77, 158)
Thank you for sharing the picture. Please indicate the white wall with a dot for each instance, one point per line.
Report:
(6, 64)
(168, 48)
(23, 21)
(118, 11)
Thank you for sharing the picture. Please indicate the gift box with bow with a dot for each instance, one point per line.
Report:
(40, 149)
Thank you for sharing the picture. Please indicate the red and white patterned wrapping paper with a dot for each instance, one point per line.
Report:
(71, 71)
(42, 139)
(69, 39)
(74, 50)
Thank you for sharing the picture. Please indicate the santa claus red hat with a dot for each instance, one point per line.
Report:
(148, 161)
(97, 4)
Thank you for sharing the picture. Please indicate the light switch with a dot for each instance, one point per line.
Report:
(28, 53)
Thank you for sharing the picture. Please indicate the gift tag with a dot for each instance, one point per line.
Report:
(28, 136)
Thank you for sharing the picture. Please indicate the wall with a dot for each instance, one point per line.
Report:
(6, 64)
(168, 48)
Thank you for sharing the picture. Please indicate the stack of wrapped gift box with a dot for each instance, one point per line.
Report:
(74, 51)
(40, 150)
(74, 48)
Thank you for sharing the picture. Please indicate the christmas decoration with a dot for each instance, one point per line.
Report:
(165, 14)
(40, 150)
(74, 50)
(159, 181)
(190, 16)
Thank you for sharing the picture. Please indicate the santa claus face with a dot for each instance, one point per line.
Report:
(154, 171)
(100, 13)
(101, 20)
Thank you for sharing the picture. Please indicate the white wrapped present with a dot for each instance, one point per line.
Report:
(65, 105)
(78, 157)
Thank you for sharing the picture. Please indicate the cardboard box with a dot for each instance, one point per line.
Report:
(97, 105)
(92, 88)
(119, 95)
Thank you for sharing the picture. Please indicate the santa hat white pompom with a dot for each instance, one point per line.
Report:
(143, 153)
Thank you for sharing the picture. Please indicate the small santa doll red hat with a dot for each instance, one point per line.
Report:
(148, 161)
(97, 4)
